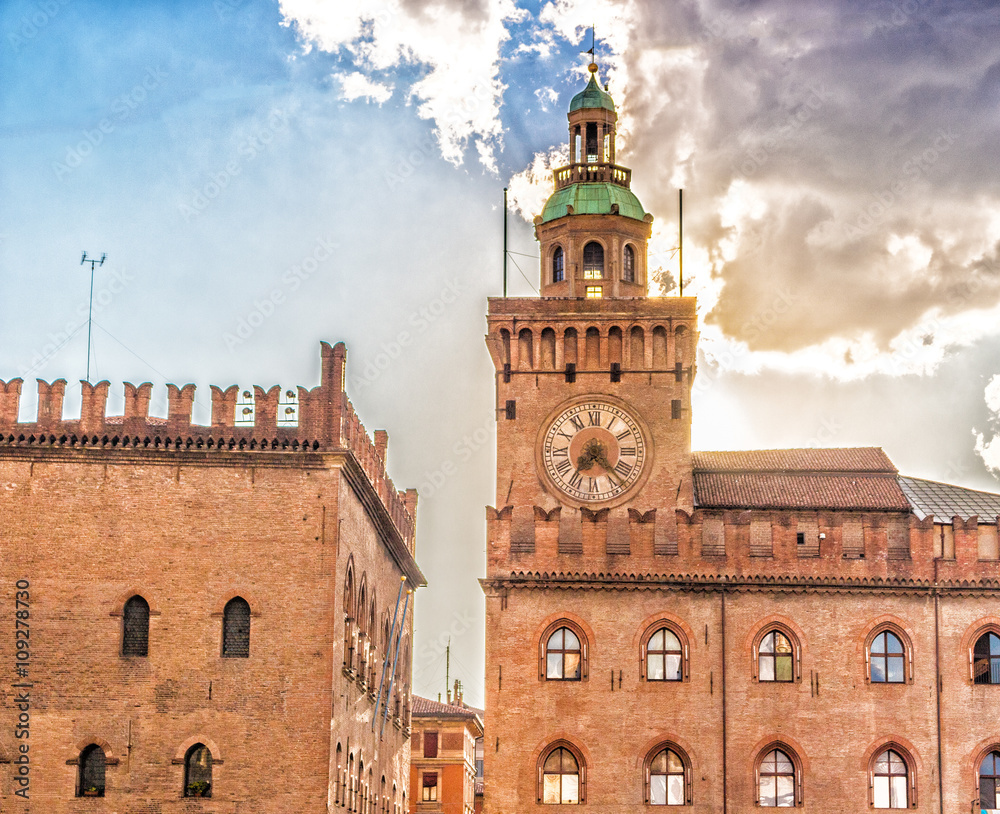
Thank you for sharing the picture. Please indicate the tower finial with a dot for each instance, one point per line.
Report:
(592, 67)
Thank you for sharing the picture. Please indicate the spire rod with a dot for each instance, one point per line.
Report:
(681, 249)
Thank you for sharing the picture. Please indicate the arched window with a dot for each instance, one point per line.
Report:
(92, 766)
(667, 779)
(236, 629)
(986, 659)
(887, 659)
(563, 656)
(664, 656)
(593, 261)
(775, 658)
(198, 771)
(776, 780)
(561, 778)
(628, 265)
(989, 782)
(558, 265)
(135, 624)
(891, 781)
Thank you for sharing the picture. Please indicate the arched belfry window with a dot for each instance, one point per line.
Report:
(198, 771)
(558, 265)
(92, 766)
(236, 629)
(592, 143)
(593, 261)
(135, 627)
(628, 265)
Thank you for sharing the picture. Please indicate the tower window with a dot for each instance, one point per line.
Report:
(986, 659)
(236, 629)
(135, 621)
(594, 292)
(675, 408)
(570, 372)
(593, 261)
(198, 771)
(558, 265)
(511, 409)
(616, 371)
(592, 142)
(628, 265)
(92, 764)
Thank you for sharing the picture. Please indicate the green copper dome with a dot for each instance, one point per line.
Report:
(592, 199)
(592, 96)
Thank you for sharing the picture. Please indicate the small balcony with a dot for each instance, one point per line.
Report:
(591, 174)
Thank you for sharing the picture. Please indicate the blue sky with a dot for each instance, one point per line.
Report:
(263, 176)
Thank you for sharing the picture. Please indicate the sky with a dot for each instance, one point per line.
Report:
(266, 175)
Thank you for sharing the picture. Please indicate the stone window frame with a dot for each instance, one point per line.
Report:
(558, 268)
(581, 765)
(798, 770)
(543, 641)
(905, 640)
(651, 755)
(604, 259)
(180, 759)
(424, 785)
(651, 629)
(628, 249)
(83, 745)
(911, 772)
(793, 635)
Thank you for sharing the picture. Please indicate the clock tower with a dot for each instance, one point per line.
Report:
(593, 404)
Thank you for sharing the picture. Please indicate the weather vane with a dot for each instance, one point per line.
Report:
(90, 315)
(593, 49)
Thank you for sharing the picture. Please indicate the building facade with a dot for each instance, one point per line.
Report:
(200, 617)
(712, 631)
(443, 769)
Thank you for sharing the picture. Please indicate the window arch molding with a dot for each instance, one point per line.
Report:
(652, 750)
(975, 760)
(790, 630)
(675, 625)
(118, 607)
(542, 753)
(574, 623)
(792, 751)
(77, 754)
(978, 629)
(236, 593)
(895, 626)
(905, 750)
(181, 752)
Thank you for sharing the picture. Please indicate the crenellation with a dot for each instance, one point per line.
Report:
(10, 400)
(224, 405)
(50, 403)
(180, 406)
(266, 410)
(136, 413)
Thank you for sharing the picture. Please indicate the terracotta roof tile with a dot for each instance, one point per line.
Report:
(848, 459)
(859, 479)
(436, 709)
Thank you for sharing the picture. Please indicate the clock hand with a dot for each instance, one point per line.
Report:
(609, 470)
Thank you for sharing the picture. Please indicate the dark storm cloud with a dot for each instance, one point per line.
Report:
(866, 134)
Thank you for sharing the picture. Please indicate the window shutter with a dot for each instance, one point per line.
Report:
(868, 663)
(585, 667)
(798, 658)
(972, 675)
(687, 664)
(756, 661)
(909, 660)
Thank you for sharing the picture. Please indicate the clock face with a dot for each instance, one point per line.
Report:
(593, 451)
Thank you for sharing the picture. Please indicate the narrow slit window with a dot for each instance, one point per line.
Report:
(236, 629)
(135, 624)
(558, 265)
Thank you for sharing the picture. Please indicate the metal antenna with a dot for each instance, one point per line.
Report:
(90, 314)
(505, 242)
(680, 201)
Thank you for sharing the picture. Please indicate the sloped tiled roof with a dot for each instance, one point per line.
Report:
(435, 709)
(945, 501)
(859, 479)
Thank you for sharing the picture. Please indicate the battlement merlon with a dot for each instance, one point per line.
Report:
(326, 422)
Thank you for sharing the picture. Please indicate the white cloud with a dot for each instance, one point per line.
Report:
(454, 46)
(358, 86)
(989, 450)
